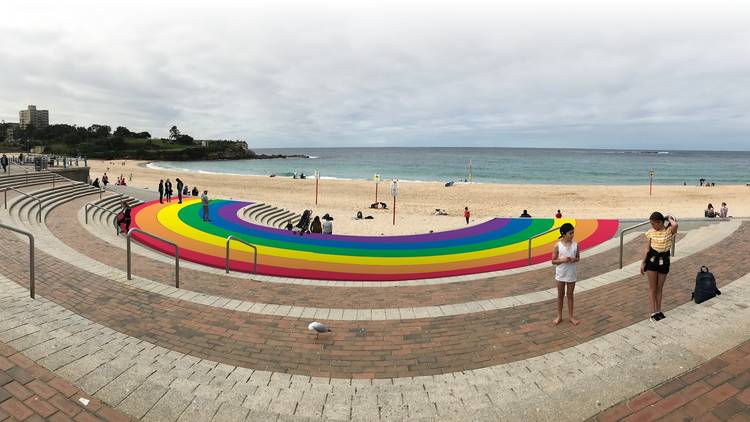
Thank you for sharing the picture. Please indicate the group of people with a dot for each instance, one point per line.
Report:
(166, 191)
(655, 264)
(320, 225)
(711, 213)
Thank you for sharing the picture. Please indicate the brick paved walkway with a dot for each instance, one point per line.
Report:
(30, 392)
(366, 349)
(59, 223)
(718, 390)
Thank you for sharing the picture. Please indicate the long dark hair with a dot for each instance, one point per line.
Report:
(657, 216)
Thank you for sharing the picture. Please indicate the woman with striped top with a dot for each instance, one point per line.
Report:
(656, 259)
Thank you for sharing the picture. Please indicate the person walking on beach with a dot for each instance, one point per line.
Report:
(161, 191)
(105, 180)
(467, 214)
(204, 202)
(4, 162)
(564, 256)
(180, 186)
(655, 262)
(168, 190)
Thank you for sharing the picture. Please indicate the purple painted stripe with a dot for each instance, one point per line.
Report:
(229, 212)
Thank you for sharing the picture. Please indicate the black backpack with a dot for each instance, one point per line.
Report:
(705, 286)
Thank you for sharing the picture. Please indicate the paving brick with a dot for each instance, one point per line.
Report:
(16, 409)
(40, 406)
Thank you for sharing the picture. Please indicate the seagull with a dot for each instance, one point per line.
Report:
(318, 328)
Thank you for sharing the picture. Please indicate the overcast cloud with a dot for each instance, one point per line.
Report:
(322, 73)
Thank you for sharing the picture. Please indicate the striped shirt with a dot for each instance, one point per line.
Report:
(661, 241)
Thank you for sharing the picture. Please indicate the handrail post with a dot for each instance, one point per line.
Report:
(128, 249)
(176, 253)
(530, 251)
(32, 277)
(622, 236)
(255, 253)
(538, 235)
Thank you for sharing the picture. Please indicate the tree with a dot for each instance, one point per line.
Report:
(184, 139)
(174, 133)
(100, 131)
(142, 135)
(122, 131)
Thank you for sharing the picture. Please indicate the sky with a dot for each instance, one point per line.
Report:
(605, 74)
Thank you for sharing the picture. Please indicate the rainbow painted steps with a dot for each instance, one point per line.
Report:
(498, 244)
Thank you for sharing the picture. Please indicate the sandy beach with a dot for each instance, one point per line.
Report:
(417, 201)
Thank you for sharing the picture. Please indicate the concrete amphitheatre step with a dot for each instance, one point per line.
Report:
(357, 314)
(150, 381)
(268, 215)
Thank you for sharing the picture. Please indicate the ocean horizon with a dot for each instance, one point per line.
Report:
(490, 165)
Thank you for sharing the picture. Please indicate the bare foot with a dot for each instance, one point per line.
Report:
(574, 321)
(556, 320)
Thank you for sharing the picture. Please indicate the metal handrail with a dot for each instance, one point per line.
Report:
(104, 188)
(32, 286)
(39, 212)
(176, 253)
(622, 236)
(92, 205)
(255, 252)
(538, 235)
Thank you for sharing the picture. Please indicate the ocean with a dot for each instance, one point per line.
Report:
(492, 165)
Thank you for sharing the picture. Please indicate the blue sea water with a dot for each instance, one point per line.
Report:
(493, 165)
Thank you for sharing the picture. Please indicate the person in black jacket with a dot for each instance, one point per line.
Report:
(161, 191)
(180, 186)
(4, 162)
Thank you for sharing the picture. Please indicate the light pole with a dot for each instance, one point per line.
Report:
(394, 193)
(376, 179)
(317, 179)
(650, 181)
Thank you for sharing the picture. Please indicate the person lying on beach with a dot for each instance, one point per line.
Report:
(438, 211)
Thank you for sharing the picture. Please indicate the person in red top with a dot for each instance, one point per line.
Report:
(467, 214)
(558, 215)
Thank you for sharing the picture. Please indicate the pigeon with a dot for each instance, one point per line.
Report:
(318, 328)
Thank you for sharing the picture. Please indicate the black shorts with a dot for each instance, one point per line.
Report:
(657, 261)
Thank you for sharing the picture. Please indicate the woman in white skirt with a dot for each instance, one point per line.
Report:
(564, 257)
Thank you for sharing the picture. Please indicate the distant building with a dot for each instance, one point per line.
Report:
(32, 116)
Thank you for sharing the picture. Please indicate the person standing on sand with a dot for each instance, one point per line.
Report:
(565, 255)
(105, 180)
(4, 162)
(180, 186)
(161, 191)
(204, 202)
(168, 190)
(467, 214)
(655, 262)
